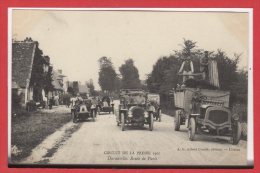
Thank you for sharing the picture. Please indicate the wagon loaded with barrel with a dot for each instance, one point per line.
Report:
(205, 110)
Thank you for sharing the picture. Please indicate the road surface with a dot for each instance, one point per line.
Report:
(103, 142)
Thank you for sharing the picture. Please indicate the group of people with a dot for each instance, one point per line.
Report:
(48, 103)
(208, 69)
(106, 101)
(134, 99)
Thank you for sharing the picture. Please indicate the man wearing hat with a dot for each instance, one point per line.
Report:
(204, 62)
(187, 68)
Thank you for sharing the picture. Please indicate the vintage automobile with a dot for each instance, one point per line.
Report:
(82, 110)
(105, 105)
(206, 112)
(133, 109)
(154, 100)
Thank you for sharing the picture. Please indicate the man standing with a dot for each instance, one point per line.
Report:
(204, 62)
(187, 69)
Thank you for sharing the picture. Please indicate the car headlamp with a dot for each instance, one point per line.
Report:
(236, 117)
(130, 114)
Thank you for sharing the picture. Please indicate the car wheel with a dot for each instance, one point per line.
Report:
(122, 121)
(160, 115)
(192, 129)
(177, 120)
(236, 133)
(151, 122)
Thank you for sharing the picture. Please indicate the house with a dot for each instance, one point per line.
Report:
(57, 82)
(76, 87)
(58, 86)
(83, 90)
(27, 63)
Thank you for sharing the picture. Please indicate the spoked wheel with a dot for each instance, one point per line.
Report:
(177, 120)
(236, 133)
(160, 115)
(192, 129)
(122, 121)
(151, 122)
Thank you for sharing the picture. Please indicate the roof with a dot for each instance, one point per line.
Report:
(22, 60)
(83, 89)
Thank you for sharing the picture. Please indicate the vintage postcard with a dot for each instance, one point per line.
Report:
(130, 87)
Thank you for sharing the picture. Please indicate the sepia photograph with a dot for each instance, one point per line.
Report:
(130, 87)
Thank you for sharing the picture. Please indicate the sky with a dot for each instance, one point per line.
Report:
(75, 40)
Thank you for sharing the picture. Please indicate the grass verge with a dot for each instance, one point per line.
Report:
(29, 129)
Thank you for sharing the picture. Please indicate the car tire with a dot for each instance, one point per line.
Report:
(177, 120)
(160, 115)
(236, 133)
(192, 129)
(122, 121)
(151, 122)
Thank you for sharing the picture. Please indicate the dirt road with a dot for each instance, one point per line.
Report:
(102, 142)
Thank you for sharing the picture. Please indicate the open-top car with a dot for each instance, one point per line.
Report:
(207, 113)
(105, 105)
(82, 110)
(154, 100)
(134, 110)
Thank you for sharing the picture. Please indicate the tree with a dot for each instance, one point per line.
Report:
(164, 74)
(91, 87)
(107, 74)
(118, 83)
(37, 77)
(130, 75)
(48, 80)
(75, 87)
(71, 91)
(227, 69)
(239, 88)
(40, 79)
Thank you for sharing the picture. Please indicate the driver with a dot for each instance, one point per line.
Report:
(94, 101)
(196, 100)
